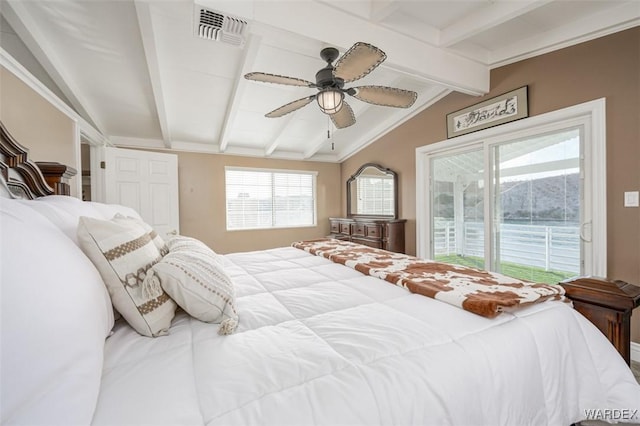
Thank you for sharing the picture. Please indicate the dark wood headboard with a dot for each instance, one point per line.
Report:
(27, 179)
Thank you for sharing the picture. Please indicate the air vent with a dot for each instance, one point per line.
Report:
(217, 26)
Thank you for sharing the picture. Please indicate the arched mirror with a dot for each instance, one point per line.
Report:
(373, 191)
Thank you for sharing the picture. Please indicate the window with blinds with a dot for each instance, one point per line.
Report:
(259, 198)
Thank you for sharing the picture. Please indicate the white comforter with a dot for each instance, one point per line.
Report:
(320, 343)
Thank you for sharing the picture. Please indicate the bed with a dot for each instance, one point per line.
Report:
(315, 342)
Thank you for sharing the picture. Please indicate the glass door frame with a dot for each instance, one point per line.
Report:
(589, 116)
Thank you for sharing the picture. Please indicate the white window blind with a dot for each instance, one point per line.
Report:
(375, 195)
(258, 198)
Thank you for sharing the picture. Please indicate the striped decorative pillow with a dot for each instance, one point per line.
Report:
(157, 239)
(195, 278)
(123, 250)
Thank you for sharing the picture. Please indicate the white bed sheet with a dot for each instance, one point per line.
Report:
(320, 343)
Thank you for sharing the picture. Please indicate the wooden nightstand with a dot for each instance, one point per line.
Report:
(607, 304)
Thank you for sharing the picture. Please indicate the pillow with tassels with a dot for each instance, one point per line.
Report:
(194, 276)
(123, 250)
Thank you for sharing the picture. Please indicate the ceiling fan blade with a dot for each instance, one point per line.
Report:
(344, 117)
(290, 107)
(385, 96)
(358, 61)
(278, 79)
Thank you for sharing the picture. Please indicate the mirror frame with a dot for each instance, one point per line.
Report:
(395, 191)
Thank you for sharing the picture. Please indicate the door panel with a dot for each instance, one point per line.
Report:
(537, 207)
(458, 208)
(147, 182)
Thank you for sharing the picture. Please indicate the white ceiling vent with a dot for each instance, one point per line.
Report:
(217, 26)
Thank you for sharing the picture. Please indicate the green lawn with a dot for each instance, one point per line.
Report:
(515, 270)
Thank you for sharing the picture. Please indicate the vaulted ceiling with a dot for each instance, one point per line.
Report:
(139, 72)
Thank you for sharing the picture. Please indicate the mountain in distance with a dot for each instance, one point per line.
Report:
(549, 199)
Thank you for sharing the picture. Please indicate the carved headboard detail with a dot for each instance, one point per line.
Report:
(23, 177)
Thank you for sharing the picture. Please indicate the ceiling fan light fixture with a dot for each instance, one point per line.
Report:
(357, 62)
(330, 100)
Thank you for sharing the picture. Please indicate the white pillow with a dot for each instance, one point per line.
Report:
(194, 276)
(53, 322)
(123, 251)
(109, 210)
(63, 212)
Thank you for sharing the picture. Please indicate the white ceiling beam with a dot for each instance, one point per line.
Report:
(316, 146)
(493, 14)
(147, 33)
(620, 18)
(158, 144)
(421, 60)
(273, 145)
(360, 8)
(275, 139)
(382, 9)
(137, 142)
(250, 53)
(258, 152)
(16, 13)
(199, 147)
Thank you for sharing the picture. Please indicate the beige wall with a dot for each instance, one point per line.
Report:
(34, 122)
(202, 202)
(608, 67)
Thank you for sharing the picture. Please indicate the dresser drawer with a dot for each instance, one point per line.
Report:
(370, 243)
(345, 228)
(335, 227)
(358, 229)
(373, 231)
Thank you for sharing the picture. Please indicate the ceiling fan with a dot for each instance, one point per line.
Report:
(357, 62)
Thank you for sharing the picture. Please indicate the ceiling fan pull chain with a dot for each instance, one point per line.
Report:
(329, 133)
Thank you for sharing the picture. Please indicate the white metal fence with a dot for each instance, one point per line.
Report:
(554, 248)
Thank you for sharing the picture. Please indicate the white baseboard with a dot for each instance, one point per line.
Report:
(635, 351)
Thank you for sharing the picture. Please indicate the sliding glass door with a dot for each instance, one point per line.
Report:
(536, 207)
(525, 222)
(527, 199)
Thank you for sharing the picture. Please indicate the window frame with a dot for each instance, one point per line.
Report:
(590, 117)
(312, 173)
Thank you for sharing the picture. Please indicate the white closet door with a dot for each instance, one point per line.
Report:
(147, 182)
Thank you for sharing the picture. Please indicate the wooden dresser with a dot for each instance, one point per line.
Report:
(387, 234)
(607, 304)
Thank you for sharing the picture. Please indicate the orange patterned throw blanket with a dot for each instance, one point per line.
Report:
(481, 292)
